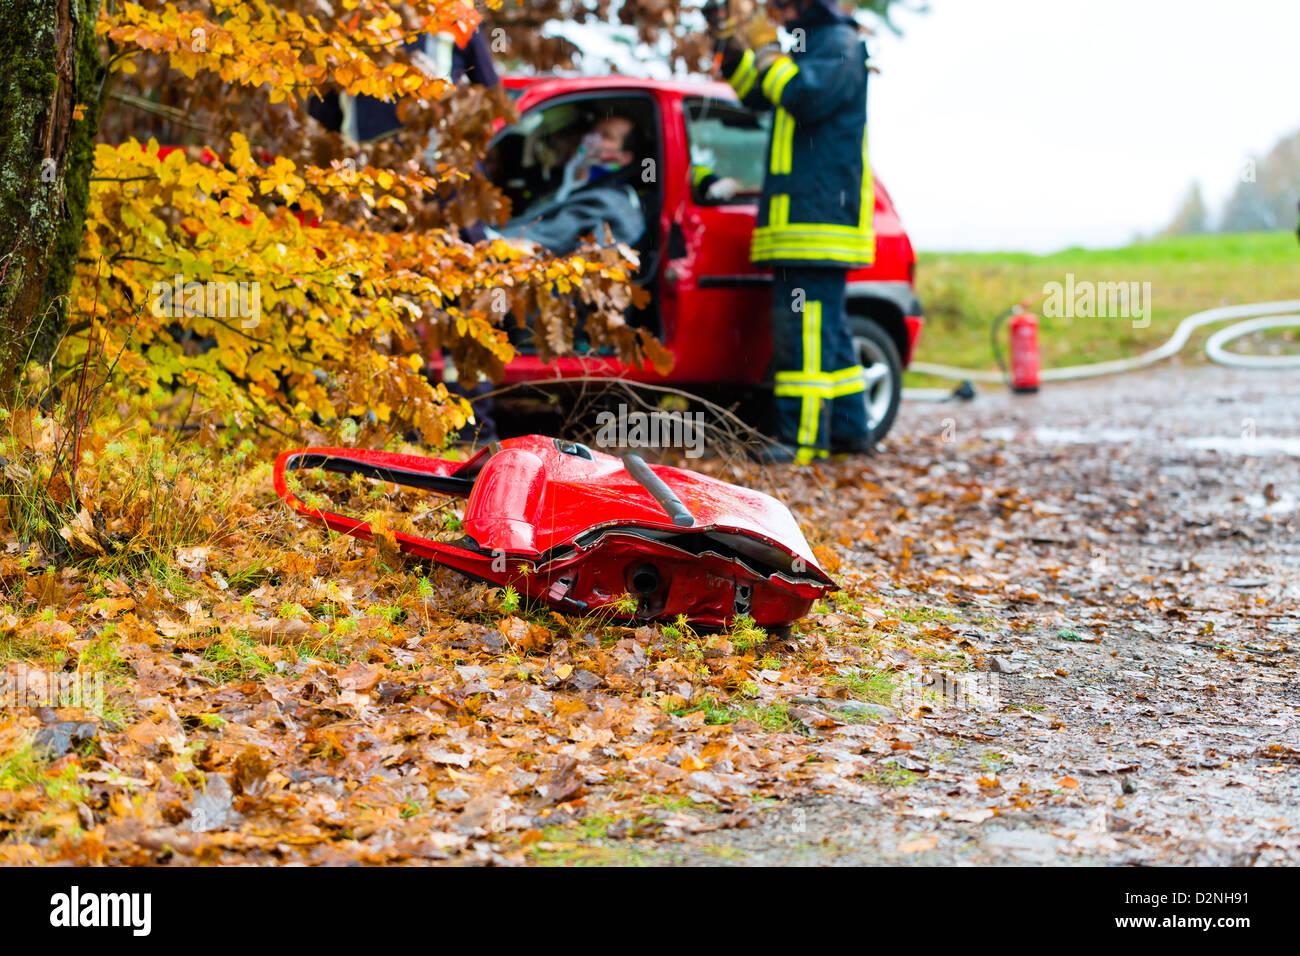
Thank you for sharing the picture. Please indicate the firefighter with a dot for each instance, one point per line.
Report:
(814, 218)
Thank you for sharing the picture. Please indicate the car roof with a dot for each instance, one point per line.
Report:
(685, 86)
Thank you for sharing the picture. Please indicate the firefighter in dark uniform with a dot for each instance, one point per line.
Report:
(814, 217)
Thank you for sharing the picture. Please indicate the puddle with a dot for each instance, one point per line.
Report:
(1259, 445)
(1046, 435)
(1284, 504)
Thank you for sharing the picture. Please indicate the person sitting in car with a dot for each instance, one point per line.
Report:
(595, 193)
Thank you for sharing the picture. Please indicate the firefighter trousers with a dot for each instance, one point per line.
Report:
(819, 389)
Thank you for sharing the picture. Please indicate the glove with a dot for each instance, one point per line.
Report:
(723, 189)
(721, 26)
(759, 32)
(727, 47)
(764, 58)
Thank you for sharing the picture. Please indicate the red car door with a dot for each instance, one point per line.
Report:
(716, 305)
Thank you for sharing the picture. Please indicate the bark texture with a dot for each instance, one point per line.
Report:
(49, 64)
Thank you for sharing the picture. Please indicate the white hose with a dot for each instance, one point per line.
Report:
(1262, 315)
(1217, 353)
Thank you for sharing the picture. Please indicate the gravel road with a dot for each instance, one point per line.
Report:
(1132, 619)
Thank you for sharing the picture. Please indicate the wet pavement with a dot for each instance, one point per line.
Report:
(1117, 567)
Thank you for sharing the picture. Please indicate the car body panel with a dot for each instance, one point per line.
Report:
(578, 529)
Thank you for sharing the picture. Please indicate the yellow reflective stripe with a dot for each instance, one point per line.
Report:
(811, 255)
(778, 75)
(835, 242)
(811, 230)
(787, 144)
(828, 242)
(782, 142)
(845, 245)
(850, 259)
(811, 385)
(820, 391)
(778, 210)
(860, 245)
(812, 337)
(809, 413)
(863, 252)
(746, 86)
(806, 455)
(745, 74)
(847, 381)
(810, 390)
(774, 151)
(779, 86)
(802, 384)
(699, 174)
(868, 210)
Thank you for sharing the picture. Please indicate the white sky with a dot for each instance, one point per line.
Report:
(1039, 124)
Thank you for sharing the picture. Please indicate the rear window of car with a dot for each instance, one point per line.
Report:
(728, 141)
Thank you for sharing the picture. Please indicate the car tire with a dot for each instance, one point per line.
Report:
(876, 352)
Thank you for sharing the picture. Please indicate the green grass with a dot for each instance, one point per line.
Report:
(889, 774)
(580, 843)
(20, 645)
(21, 767)
(235, 657)
(922, 615)
(26, 766)
(963, 292)
(774, 717)
(101, 654)
(874, 688)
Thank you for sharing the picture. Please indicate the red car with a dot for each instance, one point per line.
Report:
(708, 304)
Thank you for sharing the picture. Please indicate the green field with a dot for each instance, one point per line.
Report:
(963, 292)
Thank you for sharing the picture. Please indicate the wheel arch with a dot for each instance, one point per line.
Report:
(886, 304)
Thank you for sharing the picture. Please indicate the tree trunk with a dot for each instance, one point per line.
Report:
(49, 64)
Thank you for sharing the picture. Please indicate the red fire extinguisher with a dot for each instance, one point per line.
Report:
(1024, 352)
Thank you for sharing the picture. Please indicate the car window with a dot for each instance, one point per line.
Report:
(727, 141)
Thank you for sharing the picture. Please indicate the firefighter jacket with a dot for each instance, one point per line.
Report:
(818, 200)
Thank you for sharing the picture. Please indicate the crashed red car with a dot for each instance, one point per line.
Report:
(708, 304)
(578, 530)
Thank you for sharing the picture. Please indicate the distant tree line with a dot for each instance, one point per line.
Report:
(1264, 200)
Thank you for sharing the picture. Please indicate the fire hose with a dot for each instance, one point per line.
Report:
(1247, 319)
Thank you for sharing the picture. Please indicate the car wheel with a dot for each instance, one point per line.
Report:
(883, 372)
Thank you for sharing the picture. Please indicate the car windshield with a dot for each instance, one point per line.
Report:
(727, 141)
